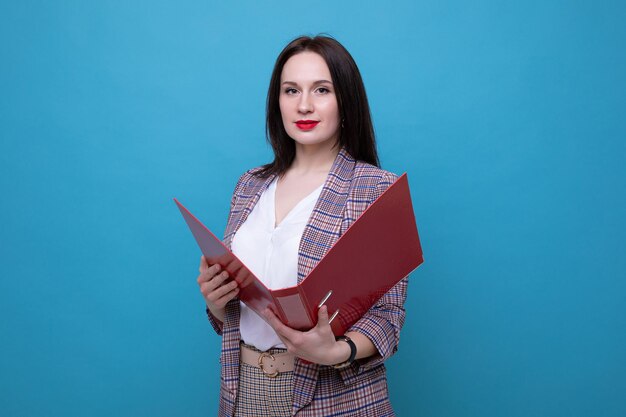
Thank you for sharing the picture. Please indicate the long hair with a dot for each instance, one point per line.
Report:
(356, 133)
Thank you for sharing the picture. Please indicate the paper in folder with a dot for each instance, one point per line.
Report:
(379, 249)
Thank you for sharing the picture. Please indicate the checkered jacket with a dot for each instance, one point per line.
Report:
(318, 390)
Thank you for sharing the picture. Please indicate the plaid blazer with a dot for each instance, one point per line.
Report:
(318, 390)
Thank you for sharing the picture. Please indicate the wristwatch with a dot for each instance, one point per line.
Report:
(352, 352)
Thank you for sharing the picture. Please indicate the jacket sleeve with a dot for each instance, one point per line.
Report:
(217, 325)
(383, 321)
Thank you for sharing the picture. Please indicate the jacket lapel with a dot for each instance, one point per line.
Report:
(246, 200)
(324, 226)
(321, 232)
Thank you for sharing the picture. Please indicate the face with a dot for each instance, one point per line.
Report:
(308, 104)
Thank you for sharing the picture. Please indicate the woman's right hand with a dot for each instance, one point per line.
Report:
(216, 288)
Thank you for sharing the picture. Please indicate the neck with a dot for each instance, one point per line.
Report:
(314, 158)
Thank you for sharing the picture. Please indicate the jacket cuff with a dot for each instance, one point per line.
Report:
(381, 325)
(382, 334)
(218, 326)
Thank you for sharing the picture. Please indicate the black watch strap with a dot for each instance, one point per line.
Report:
(352, 352)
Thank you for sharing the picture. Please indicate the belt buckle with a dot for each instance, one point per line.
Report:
(267, 374)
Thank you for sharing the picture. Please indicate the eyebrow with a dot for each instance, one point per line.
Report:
(315, 83)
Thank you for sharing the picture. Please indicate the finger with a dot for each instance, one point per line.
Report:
(216, 292)
(275, 322)
(210, 273)
(209, 288)
(278, 326)
(322, 317)
(203, 264)
(222, 301)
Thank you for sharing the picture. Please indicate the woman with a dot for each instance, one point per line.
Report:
(284, 217)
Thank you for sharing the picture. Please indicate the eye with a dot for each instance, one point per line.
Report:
(290, 90)
(323, 90)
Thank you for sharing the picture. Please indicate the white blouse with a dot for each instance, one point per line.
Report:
(271, 253)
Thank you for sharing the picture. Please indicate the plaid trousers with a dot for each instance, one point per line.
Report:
(261, 396)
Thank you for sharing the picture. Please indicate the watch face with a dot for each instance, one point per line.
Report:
(342, 365)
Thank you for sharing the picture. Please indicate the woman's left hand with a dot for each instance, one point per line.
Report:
(317, 345)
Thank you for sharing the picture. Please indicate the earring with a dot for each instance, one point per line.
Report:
(342, 123)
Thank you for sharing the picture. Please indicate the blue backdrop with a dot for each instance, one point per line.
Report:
(509, 118)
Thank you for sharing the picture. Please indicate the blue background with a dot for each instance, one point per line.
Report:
(508, 116)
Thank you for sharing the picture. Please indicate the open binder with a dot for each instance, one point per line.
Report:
(379, 249)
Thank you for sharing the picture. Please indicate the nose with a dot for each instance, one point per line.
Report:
(305, 105)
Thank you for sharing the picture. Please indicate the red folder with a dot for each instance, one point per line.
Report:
(379, 249)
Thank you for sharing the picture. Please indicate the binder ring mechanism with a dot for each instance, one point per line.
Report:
(326, 297)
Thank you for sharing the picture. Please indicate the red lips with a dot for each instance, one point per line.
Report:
(306, 124)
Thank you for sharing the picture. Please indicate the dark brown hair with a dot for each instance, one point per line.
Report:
(356, 133)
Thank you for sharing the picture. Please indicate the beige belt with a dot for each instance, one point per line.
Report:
(271, 365)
